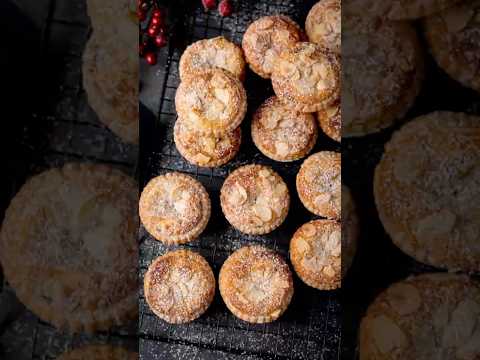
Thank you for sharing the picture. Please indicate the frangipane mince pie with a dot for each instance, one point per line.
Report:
(256, 284)
(315, 252)
(324, 24)
(68, 247)
(174, 208)
(427, 190)
(255, 199)
(215, 52)
(179, 286)
(306, 77)
(266, 38)
(430, 316)
(211, 101)
(283, 134)
(319, 184)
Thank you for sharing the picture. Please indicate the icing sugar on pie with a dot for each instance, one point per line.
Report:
(215, 52)
(266, 38)
(179, 286)
(206, 150)
(319, 184)
(255, 199)
(324, 24)
(212, 101)
(315, 252)
(256, 284)
(330, 120)
(283, 134)
(68, 247)
(174, 208)
(306, 77)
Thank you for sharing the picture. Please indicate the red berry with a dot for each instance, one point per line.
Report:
(142, 15)
(155, 21)
(161, 40)
(209, 4)
(153, 30)
(157, 13)
(225, 8)
(151, 58)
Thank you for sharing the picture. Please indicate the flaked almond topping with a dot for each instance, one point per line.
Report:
(263, 212)
(329, 271)
(303, 246)
(265, 24)
(239, 195)
(222, 95)
(332, 111)
(209, 144)
(202, 159)
(323, 199)
(404, 298)
(280, 189)
(282, 148)
(309, 230)
(287, 123)
(271, 122)
(264, 173)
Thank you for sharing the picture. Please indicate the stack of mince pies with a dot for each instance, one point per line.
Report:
(255, 282)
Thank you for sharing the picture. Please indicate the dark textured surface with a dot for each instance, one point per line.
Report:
(310, 329)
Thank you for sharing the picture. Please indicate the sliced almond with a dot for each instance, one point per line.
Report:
(264, 173)
(222, 95)
(202, 159)
(303, 246)
(329, 271)
(280, 190)
(309, 230)
(387, 335)
(263, 212)
(209, 144)
(404, 298)
(323, 199)
(287, 122)
(265, 24)
(282, 148)
(270, 121)
(238, 195)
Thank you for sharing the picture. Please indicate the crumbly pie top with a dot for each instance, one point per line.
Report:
(213, 101)
(174, 208)
(427, 193)
(68, 247)
(266, 38)
(350, 229)
(454, 38)
(330, 120)
(319, 184)
(283, 134)
(207, 150)
(255, 199)
(381, 75)
(315, 252)
(99, 352)
(324, 24)
(110, 80)
(179, 286)
(431, 316)
(215, 52)
(256, 284)
(306, 77)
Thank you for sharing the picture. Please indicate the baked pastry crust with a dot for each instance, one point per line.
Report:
(256, 284)
(453, 36)
(99, 352)
(324, 24)
(255, 199)
(213, 101)
(330, 121)
(215, 52)
(378, 92)
(174, 208)
(426, 190)
(315, 252)
(282, 134)
(179, 286)
(266, 38)
(431, 316)
(350, 230)
(206, 150)
(110, 80)
(68, 247)
(306, 77)
(319, 184)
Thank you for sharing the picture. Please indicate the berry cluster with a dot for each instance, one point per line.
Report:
(152, 29)
(225, 7)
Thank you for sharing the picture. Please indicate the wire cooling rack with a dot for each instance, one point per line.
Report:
(310, 328)
(62, 129)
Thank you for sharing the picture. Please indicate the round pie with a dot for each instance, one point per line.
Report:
(99, 352)
(350, 230)
(68, 242)
(431, 316)
(212, 101)
(319, 184)
(255, 199)
(330, 120)
(306, 77)
(283, 134)
(426, 190)
(382, 73)
(215, 52)
(315, 252)
(266, 38)
(454, 39)
(179, 286)
(324, 24)
(206, 150)
(256, 284)
(174, 208)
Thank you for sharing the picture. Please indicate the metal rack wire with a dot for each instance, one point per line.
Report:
(311, 326)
